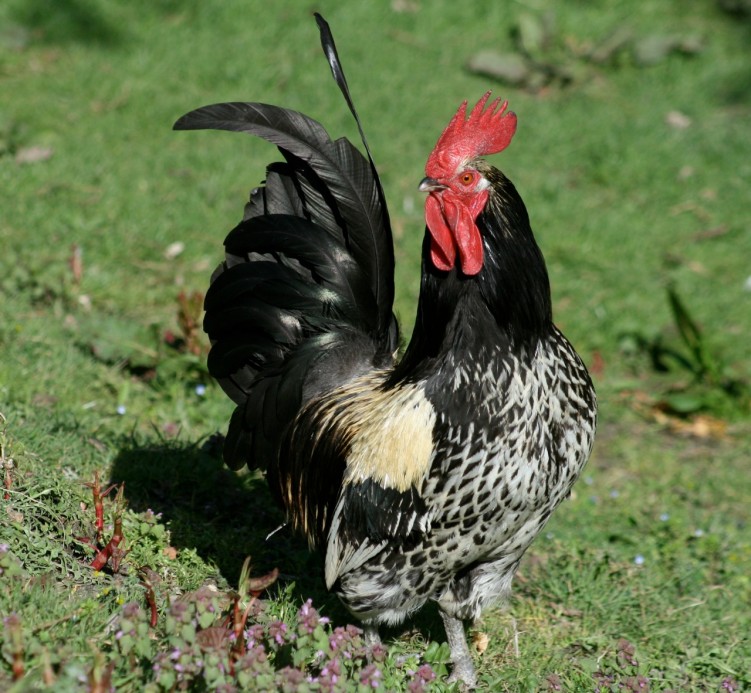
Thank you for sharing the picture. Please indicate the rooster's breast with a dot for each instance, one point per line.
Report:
(513, 433)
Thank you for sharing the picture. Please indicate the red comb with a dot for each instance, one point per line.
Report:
(486, 131)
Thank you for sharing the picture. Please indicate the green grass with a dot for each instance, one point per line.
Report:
(652, 551)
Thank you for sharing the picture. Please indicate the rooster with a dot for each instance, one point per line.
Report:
(423, 478)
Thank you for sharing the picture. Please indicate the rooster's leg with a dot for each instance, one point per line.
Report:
(370, 634)
(463, 669)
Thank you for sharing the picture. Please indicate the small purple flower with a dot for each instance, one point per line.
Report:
(308, 618)
(603, 682)
(150, 516)
(178, 610)
(378, 652)
(615, 493)
(699, 533)
(664, 517)
(121, 409)
(200, 389)
(626, 653)
(4, 548)
(253, 635)
(635, 684)
(370, 676)
(426, 673)
(639, 559)
(278, 631)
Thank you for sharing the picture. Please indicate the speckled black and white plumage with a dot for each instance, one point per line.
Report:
(421, 479)
(507, 452)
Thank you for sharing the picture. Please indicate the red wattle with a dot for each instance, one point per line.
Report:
(451, 222)
(468, 236)
(442, 250)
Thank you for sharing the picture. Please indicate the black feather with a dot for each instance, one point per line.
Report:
(279, 195)
(346, 175)
(375, 512)
(238, 442)
(332, 55)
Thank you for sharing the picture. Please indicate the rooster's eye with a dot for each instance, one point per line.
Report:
(467, 178)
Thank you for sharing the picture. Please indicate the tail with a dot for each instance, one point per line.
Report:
(303, 301)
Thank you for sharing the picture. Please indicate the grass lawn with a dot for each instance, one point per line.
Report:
(633, 154)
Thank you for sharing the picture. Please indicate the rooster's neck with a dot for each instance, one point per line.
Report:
(507, 304)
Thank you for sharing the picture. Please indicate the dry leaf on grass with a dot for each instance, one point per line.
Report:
(480, 641)
(33, 155)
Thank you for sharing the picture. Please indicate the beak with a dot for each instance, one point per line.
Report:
(429, 185)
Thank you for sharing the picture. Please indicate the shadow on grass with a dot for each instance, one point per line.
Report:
(87, 21)
(64, 21)
(221, 515)
(225, 517)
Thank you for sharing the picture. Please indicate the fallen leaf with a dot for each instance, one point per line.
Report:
(173, 250)
(212, 638)
(480, 641)
(14, 515)
(701, 426)
(33, 155)
(256, 585)
(170, 552)
(678, 120)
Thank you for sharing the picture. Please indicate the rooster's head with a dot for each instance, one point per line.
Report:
(457, 188)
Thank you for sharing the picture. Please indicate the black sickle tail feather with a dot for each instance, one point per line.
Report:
(303, 301)
(329, 48)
